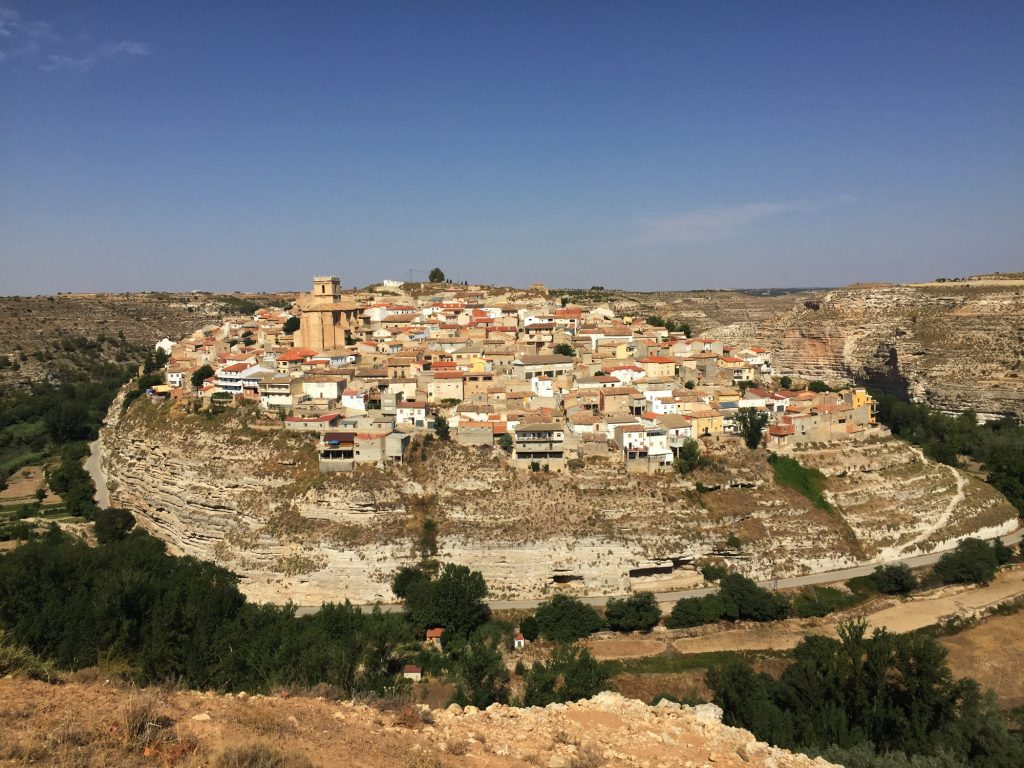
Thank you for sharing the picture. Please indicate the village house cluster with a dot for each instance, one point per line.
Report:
(546, 380)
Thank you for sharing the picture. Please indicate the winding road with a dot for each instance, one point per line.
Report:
(95, 470)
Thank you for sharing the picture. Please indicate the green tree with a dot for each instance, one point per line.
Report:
(565, 349)
(113, 524)
(743, 599)
(818, 386)
(441, 428)
(637, 613)
(454, 600)
(481, 672)
(895, 579)
(688, 457)
(292, 324)
(751, 425)
(436, 275)
(893, 691)
(570, 675)
(972, 562)
(786, 382)
(528, 626)
(564, 619)
(505, 442)
(405, 580)
(200, 375)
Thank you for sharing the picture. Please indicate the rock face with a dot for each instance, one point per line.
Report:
(253, 502)
(957, 345)
(608, 729)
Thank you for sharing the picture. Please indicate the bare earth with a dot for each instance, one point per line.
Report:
(78, 724)
(896, 616)
(993, 654)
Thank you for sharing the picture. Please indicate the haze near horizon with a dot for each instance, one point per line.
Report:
(246, 146)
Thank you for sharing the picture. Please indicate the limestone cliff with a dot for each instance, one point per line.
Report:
(955, 345)
(253, 502)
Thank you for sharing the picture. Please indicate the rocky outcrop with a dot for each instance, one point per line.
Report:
(956, 346)
(78, 724)
(608, 729)
(253, 502)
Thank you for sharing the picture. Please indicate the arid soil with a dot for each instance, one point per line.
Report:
(78, 724)
(893, 614)
(993, 654)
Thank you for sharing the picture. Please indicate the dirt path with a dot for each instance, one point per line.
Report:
(902, 617)
(947, 514)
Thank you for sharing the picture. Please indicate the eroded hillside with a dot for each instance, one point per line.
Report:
(46, 725)
(956, 345)
(252, 501)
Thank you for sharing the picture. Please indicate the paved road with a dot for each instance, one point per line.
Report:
(95, 470)
(824, 577)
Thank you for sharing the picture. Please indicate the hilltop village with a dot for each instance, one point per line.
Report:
(549, 381)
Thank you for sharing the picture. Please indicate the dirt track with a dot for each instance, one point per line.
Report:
(901, 616)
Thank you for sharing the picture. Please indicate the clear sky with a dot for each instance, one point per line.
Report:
(247, 145)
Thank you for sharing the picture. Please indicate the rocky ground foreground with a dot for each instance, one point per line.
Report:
(98, 724)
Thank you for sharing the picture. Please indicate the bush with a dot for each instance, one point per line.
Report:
(821, 601)
(292, 324)
(113, 524)
(564, 619)
(695, 611)
(895, 691)
(200, 375)
(688, 458)
(743, 599)
(637, 613)
(570, 675)
(972, 562)
(712, 572)
(529, 628)
(894, 579)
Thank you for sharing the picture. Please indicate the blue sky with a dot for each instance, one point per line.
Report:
(676, 145)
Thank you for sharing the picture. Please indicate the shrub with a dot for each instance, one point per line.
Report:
(743, 599)
(529, 628)
(712, 572)
(113, 524)
(894, 579)
(260, 756)
(637, 613)
(695, 611)
(688, 458)
(570, 675)
(564, 619)
(821, 601)
(972, 562)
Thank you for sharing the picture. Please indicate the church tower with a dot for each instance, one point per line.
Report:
(326, 289)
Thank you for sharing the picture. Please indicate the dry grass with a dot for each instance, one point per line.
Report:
(140, 720)
(587, 757)
(261, 756)
(18, 661)
(456, 746)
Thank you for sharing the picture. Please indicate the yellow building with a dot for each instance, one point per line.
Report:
(859, 397)
(325, 316)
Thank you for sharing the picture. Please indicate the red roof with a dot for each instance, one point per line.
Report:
(296, 355)
(434, 633)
